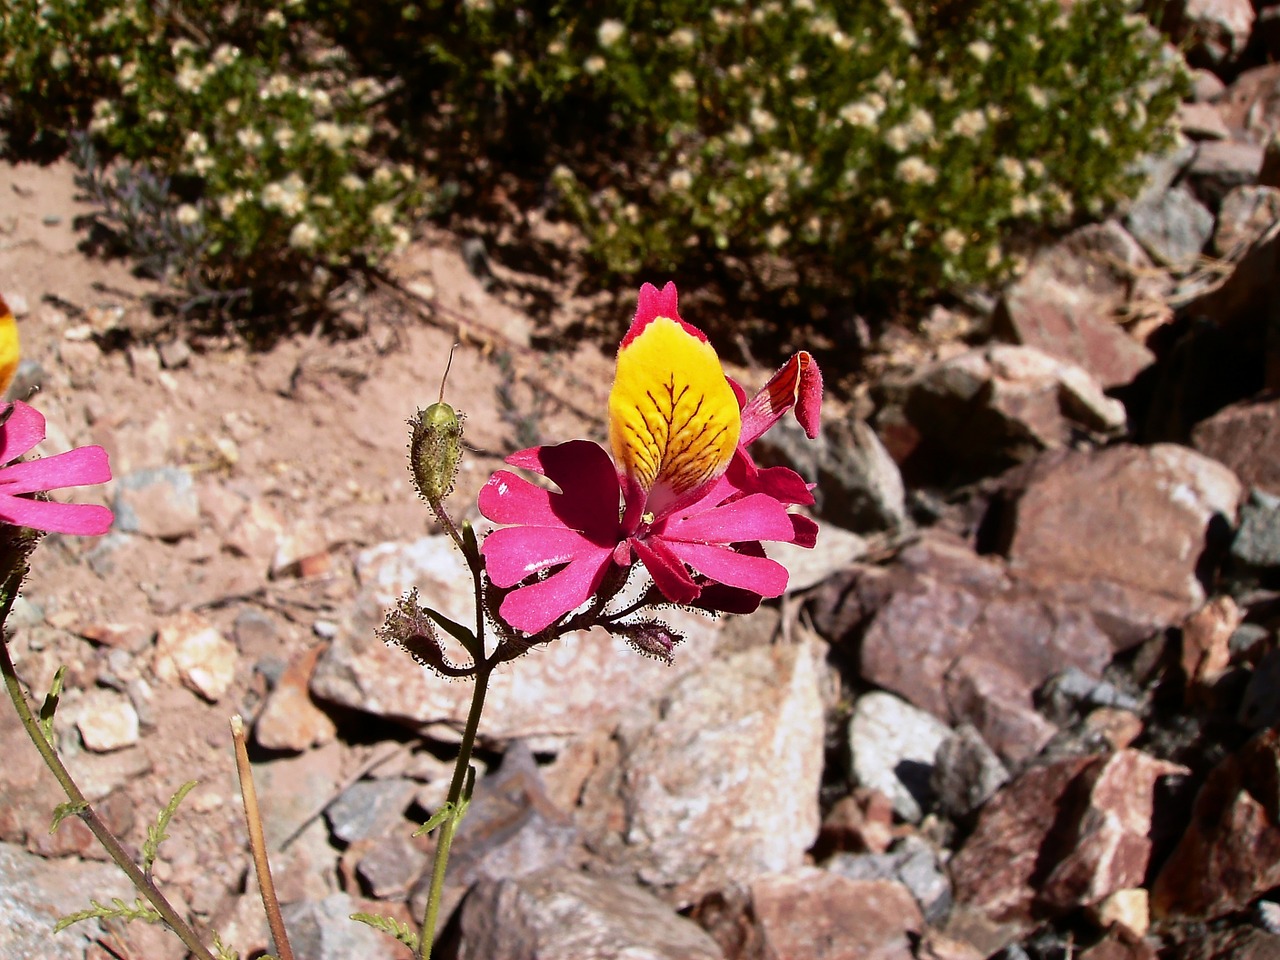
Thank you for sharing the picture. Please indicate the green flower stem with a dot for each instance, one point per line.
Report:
(86, 812)
(457, 806)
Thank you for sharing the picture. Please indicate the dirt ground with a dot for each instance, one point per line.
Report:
(306, 440)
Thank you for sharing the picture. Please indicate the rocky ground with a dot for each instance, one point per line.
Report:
(1020, 702)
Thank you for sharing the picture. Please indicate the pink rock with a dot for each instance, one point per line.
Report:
(956, 636)
(1120, 531)
(289, 719)
(1245, 437)
(812, 914)
(994, 871)
(1110, 846)
(1230, 852)
(1120, 944)
(1068, 301)
(1219, 29)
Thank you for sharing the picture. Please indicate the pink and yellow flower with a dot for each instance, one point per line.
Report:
(21, 428)
(681, 493)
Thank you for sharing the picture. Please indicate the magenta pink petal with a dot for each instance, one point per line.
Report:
(757, 574)
(509, 498)
(22, 431)
(80, 519)
(75, 468)
(669, 574)
(514, 553)
(537, 606)
(756, 517)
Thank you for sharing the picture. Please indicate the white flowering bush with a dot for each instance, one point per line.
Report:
(898, 143)
(259, 127)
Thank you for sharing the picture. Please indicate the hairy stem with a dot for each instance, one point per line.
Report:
(85, 811)
(258, 843)
(456, 801)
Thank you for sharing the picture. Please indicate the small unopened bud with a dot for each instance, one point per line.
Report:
(409, 627)
(653, 638)
(435, 448)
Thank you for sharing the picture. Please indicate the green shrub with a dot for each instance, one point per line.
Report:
(895, 146)
(266, 140)
(892, 144)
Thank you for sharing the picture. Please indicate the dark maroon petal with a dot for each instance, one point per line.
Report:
(806, 531)
(718, 598)
(669, 574)
(586, 476)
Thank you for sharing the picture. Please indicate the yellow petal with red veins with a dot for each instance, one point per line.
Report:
(673, 418)
(9, 353)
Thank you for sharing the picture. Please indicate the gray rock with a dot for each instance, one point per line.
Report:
(1260, 707)
(159, 503)
(577, 682)
(858, 484)
(324, 930)
(512, 830)
(837, 549)
(1220, 166)
(1257, 543)
(1246, 215)
(1173, 227)
(966, 772)
(370, 808)
(892, 746)
(35, 893)
(1162, 170)
(730, 755)
(392, 866)
(558, 914)
(913, 863)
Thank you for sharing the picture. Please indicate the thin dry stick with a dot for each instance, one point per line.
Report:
(258, 844)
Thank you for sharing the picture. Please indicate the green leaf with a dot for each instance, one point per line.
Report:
(456, 630)
(119, 910)
(50, 705)
(71, 808)
(156, 832)
(437, 818)
(395, 928)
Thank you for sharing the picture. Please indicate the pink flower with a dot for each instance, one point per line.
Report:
(681, 494)
(22, 428)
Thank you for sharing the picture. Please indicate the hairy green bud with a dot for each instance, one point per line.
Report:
(435, 448)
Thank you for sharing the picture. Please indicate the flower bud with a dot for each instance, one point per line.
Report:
(409, 627)
(435, 448)
(653, 638)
